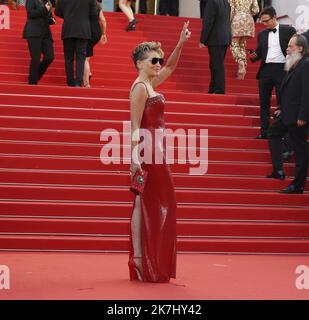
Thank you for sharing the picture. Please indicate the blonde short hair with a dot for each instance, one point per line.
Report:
(142, 50)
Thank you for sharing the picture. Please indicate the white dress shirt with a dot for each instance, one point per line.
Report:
(274, 54)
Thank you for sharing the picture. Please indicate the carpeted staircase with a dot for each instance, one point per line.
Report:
(56, 195)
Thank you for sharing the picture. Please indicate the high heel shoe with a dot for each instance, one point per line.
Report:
(131, 25)
(86, 85)
(135, 272)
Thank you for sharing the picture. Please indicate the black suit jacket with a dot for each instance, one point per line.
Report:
(76, 14)
(37, 24)
(294, 94)
(285, 34)
(306, 34)
(216, 24)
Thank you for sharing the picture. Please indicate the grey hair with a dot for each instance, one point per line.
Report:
(142, 50)
(301, 41)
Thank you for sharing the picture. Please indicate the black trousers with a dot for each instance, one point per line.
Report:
(271, 77)
(298, 139)
(74, 49)
(37, 68)
(170, 7)
(217, 70)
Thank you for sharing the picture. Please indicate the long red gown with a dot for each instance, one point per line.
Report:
(158, 206)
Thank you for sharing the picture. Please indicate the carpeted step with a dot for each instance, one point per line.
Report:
(121, 210)
(76, 193)
(77, 243)
(188, 228)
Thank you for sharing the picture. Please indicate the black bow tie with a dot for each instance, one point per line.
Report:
(272, 30)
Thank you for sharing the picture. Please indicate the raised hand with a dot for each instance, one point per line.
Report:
(185, 33)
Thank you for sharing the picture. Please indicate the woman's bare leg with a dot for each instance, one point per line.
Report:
(125, 7)
(87, 73)
(136, 228)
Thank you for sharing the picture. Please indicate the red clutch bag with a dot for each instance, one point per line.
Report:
(138, 182)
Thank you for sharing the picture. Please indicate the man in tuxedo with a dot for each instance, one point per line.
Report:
(293, 115)
(271, 50)
(217, 36)
(76, 32)
(39, 38)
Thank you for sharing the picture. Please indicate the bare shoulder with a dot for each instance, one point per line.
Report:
(138, 91)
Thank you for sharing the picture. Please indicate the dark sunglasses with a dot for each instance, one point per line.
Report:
(156, 60)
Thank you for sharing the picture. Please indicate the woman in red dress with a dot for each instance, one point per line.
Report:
(153, 224)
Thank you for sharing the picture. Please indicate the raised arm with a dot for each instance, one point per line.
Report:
(172, 61)
(137, 104)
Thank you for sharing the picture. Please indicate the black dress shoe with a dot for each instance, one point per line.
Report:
(262, 137)
(277, 175)
(292, 189)
(131, 25)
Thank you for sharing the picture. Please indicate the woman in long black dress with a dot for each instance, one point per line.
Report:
(98, 33)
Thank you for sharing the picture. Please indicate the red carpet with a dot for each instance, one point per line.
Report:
(199, 276)
(57, 195)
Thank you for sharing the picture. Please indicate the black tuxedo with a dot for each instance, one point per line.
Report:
(37, 23)
(294, 105)
(270, 75)
(216, 24)
(76, 15)
(285, 34)
(294, 94)
(217, 35)
(39, 38)
(76, 32)
(202, 7)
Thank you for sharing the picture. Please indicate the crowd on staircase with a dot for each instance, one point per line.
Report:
(226, 23)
